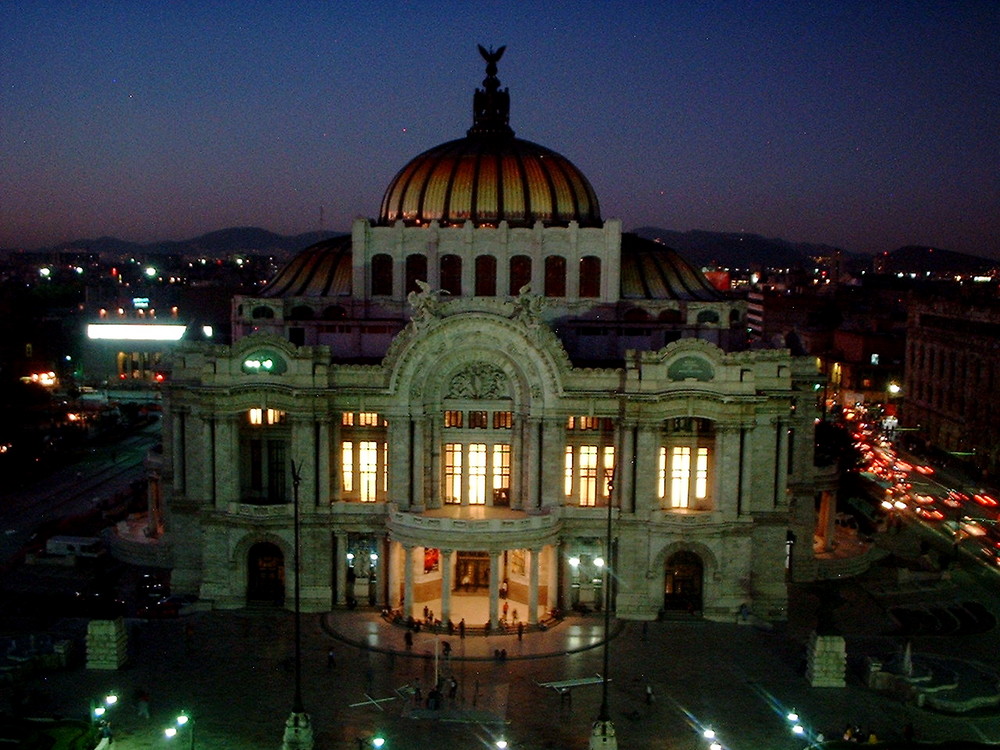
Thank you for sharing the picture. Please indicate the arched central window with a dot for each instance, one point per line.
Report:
(477, 457)
(486, 276)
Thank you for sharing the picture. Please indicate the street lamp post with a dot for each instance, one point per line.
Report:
(298, 727)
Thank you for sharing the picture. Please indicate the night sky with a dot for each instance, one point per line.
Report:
(866, 125)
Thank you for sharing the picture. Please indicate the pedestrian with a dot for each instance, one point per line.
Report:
(505, 610)
(520, 630)
(513, 615)
(452, 688)
(461, 628)
(106, 732)
(446, 647)
(331, 660)
(649, 694)
(142, 702)
(426, 613)
(408, 639)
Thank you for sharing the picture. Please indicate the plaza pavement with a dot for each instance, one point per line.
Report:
(234, 671)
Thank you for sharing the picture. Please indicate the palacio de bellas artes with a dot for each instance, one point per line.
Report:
(453, 395)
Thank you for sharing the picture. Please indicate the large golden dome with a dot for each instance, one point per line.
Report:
(490, 176)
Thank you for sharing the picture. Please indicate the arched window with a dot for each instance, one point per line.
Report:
(486, 276)
(262, 312)
(520, 273)
(636, 314)
(590, 276)
(381, 274)
(451, 274)
(555, 276)
(416, 270)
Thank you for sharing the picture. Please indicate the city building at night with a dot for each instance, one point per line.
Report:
(457, 391)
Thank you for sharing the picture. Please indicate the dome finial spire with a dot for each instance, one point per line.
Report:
(491, 105)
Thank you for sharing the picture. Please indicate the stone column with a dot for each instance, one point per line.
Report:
(748, 491)
(550, 462)
(727, 462)
(333, 476)
(625, 462)
(781, 462)
(323, 494)
(415, 499)
(178, 439)
(533, 586)
(227, 461)
(495, 562)
(303, 453)
(399, 461)
(445, 557)
(647, 456)
(407, 581)
(533, 464)
(340, 568)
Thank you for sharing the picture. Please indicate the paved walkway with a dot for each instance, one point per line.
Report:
(235, 673)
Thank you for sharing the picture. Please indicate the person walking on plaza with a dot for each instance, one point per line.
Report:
(453, 688)
(331, 660)
(142, 703)
(461, 628)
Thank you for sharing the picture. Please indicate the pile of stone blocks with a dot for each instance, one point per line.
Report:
(107, 644)
(827, 661)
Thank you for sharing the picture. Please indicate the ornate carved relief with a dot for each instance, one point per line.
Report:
(480, 380)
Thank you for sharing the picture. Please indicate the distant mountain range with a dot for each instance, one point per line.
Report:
(739, 250)
(216, 244)
(702, 248)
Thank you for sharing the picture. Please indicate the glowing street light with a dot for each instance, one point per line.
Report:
(182, 720)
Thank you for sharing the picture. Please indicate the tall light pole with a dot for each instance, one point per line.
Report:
(602, 733)
(298, 726)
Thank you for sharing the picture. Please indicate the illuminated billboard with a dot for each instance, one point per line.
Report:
(135, 332)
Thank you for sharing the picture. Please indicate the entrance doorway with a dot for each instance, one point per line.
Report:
(265, 575)
(682, 582)
(472, 572)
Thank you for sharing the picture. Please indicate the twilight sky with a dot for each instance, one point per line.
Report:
(867, 125)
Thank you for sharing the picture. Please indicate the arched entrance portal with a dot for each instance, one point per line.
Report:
(682, 581)
(265, 575)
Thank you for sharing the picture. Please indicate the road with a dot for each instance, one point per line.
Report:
(73, 490)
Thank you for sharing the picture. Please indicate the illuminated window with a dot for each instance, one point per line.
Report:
(453, 473)
(368, 463)
(364, 465)
(474, 470)
(568, 472)
(587, 474)
(477, 473)
(478, 420)
(453, 418)
(347, 466)
(258, 417)
(503, 420)
(501, 473)
(680, 476)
